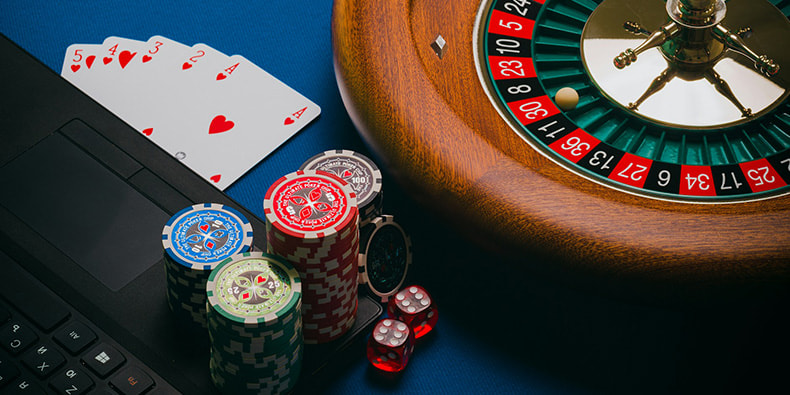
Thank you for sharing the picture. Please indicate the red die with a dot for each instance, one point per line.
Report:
(414, 306)
(390, 345)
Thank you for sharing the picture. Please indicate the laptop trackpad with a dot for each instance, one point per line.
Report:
(85, 210)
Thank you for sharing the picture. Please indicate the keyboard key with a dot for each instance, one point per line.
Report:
(132, 381)
(71, 381)
(15, 337)
(74, 336)
(24, 385)
(36, 303)
(43, 360)
(8, 372)
(103, 359)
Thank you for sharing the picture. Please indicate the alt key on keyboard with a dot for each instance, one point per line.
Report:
(74, 336)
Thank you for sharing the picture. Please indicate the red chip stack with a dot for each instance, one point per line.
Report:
(312, 220)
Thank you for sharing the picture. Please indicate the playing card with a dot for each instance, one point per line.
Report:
(118, 53)
(218, 114)
(103, 80)
(139, 93)
(237, 114)
(79, 60)
(201, 57)
(179, 93)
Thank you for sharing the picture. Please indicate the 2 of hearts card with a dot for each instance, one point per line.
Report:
(218, 114)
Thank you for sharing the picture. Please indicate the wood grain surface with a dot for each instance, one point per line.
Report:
(430, 123)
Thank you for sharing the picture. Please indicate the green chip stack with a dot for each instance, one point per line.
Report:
(254, 303)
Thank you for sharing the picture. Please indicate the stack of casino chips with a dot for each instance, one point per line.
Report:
(358, 171)
(255, 324)
(312, 221)
(195, 240)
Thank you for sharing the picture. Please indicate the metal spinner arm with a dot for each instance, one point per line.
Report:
(693, 42)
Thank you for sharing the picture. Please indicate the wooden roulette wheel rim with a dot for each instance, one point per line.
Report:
(431, 124)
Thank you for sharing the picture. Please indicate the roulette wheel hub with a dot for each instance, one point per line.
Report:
(692, 57)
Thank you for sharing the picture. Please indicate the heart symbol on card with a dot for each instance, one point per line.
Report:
(146, 59)
(107, 60)
(221, 76)
(288, 121)
(125, 57)
(346, 173)
(215, 178)
(186, 65)
(148, 131)
(89, 60)
(220, 125)
(204, 227)
(75, 67)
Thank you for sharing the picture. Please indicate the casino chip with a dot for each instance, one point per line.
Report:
(312, 221)
(195, 240)
(254, 303)
(360, 172)
(385, 256)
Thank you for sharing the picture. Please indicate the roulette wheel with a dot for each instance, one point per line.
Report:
(666, 168)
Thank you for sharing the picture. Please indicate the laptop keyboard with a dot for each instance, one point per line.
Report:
(47, 347)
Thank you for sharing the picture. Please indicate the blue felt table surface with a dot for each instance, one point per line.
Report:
(292, 41)
(498, 332)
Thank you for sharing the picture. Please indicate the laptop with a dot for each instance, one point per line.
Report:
(83, 200)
